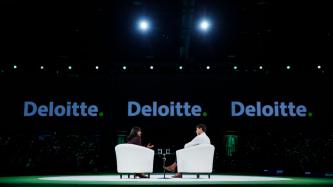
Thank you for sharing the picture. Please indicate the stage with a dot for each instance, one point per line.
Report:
(157, 179)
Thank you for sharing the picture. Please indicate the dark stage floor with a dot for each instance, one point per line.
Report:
(157, 179)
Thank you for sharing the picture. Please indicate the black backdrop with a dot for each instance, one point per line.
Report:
(212, 91)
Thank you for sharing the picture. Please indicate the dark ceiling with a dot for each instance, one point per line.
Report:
(103, 32)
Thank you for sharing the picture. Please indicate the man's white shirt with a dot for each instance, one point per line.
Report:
(199, 139)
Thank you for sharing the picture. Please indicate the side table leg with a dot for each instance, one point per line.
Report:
(164, 159)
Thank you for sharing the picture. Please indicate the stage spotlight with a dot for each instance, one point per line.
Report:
(143, 25)
(15, 66)
(151, 67)
(42, 67)
(180, 67)
(124, 67)
(204, 25)
(235, 67)
(96, 67)
(207, 67)
(288, 67)
(319, 67)
(260, 67)
(69, 67)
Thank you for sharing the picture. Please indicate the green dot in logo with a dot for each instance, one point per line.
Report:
(204, 114)
(101, 114)
(310, 114)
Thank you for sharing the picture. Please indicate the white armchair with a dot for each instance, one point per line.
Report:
(197, 159)
(133, 159)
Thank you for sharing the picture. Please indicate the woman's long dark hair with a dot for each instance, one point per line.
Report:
(133, 133)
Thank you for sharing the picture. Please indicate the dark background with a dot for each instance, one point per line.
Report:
(245, 34)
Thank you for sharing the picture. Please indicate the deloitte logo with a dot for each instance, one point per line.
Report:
(173, 109)
(279, 109)
(70, 109)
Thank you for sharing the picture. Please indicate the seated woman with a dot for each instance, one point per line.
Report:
(135, 138)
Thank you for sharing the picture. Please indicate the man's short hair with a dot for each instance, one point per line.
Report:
(202, 126)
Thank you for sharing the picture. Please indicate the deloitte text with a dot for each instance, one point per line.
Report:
(172, 109)
(70, 109)
(278, 109)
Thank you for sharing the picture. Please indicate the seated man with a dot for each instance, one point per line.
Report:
(201, 138)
